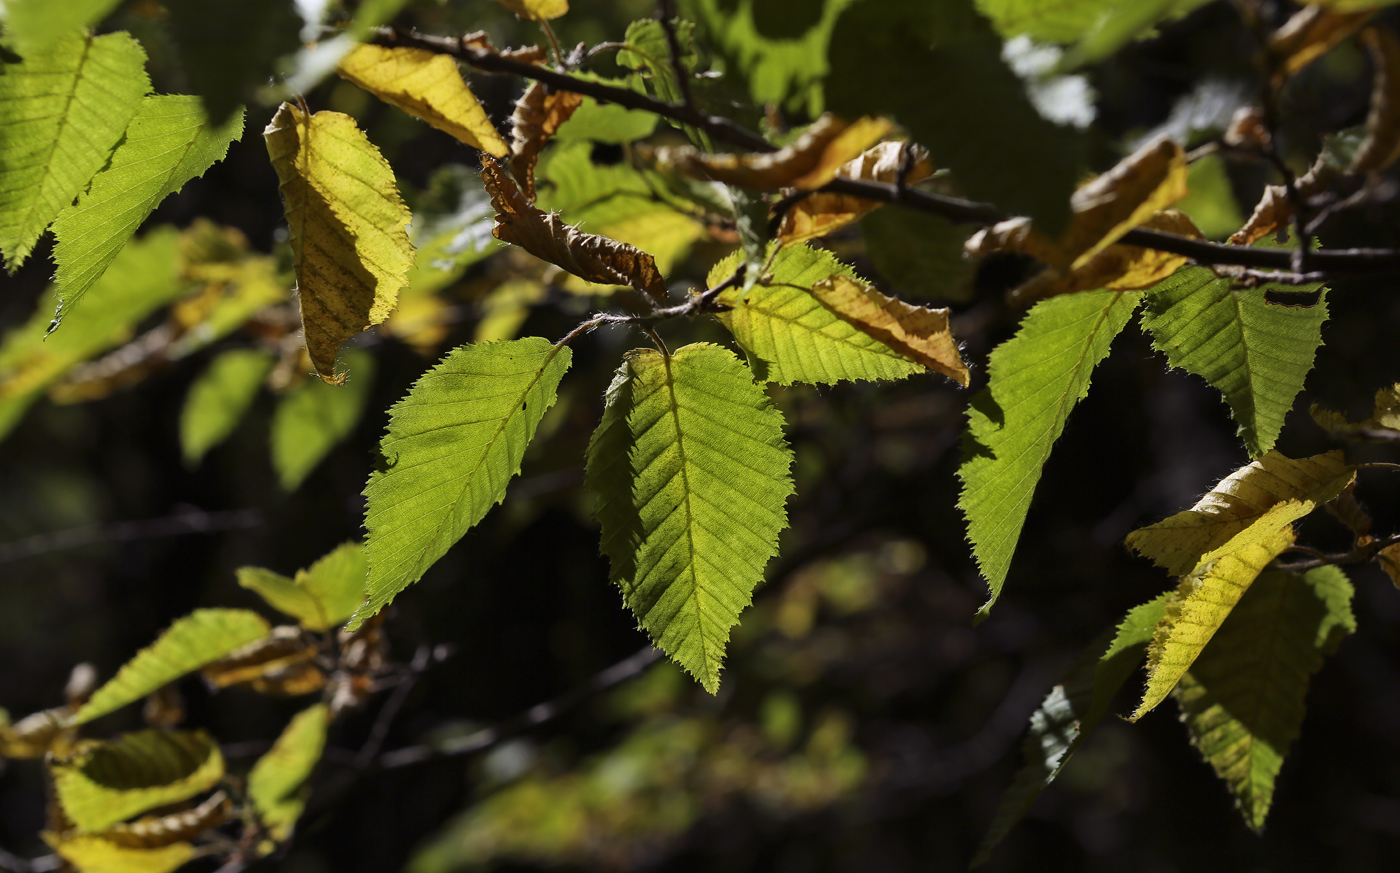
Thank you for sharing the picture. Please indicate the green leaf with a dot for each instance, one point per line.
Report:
(317, 417)
(649, 53)
(1211, 203)
(275, 780)
(1242, 700)
(230, 49)
(38, 25)
(919, 255)
(1255, 352)
(140, 280)
(1012, 157)
(102, 783)
(62, 111)
(168, 143)
(110, 853)
(1099, 27)
(1069, 714)
(453, 444)
(1198, 607)
(200, 638)
(1036, 379)
(321, 596)
(692, 475)
(218, 399)
(606, 122)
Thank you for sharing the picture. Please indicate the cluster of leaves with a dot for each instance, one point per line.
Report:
(689, 463)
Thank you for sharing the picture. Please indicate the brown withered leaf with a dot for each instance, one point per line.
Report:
(154, 831)
(546, 236)
(282, 663)
(1308, 35)
(1349, 511)
(811, 161)
(1119, 267)
(1389, 559)
(821, 213)
(164, 707)
(480, 41)
(34, 735)
(537, 116)
(1382, 144)
(1382, 425)
(1274, 209)
(919, 333)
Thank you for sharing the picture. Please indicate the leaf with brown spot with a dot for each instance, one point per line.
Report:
(546, 236)
(919, 333)
(1382, 144)
(825, 211)
(537, 117)
(427, 86)
(809, 162)
(1308, 35)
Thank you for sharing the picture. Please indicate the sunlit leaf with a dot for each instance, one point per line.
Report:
(37, 25)
(316, 418)
(203, 636)
(692, 474)
(539, 10)
(218, 399)
(319, 597)
(62, 111)
(452, 446)
(426, 85)
(101, 783)
(276, 779)
(917, 332)
(101, 853)
(283, 663)
(1037, 377)
(348, 227)
(537, 117)
(823, 212)
(812, 160)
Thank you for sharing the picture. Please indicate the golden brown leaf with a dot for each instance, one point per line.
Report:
(480, 41)
(1389, 559)
(1308, 35)
(809, 162)
(164, 707)
(546, 236)
(920, 334)
(283, 663)
(823, 212)
(537, 116)
(1275, 211)
(426, 85)
(1382, 144)
(154, 831)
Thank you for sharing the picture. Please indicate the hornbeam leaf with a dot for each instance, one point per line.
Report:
(1069, 714)
(1275, 207)
(349, 232)
(275, 780)
(1257, 353)
(537, 117)
(1036, 379)
(101, 853)
(692, 474)
(823, 212)
(102, 783)
(1198, 607)
(1287, 488)
(918, 333)
(453, 444)
(321, 596)
(793, 333)
(812, 160)
(199, 638)
(38, 25)
(426, 85)
(168, 143)
(315, 418)
(62, 111)
(219, 397)
(1242, 700)
(538, 10)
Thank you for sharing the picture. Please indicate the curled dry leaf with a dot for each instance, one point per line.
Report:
(1349, 511)
(1307, 36)
(1389, 559)
(823, 212)
(537, 116)
(154, 831)
(809, 162)
(427, 86)
(1382, 144)
(919, 333)
(1383, 425)
(546, 236)
(282, 663)
(479, 41)
(1275, 210)
(538, 10)
(1247, 130)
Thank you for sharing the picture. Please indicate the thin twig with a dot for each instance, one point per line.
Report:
(379, 732)
(187, 522)
(665, 14)
(1378, 465)
(1358, 555)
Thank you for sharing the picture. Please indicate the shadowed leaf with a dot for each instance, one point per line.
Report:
(319, 597)
(218, 399)
(102, 783)
(275, 780)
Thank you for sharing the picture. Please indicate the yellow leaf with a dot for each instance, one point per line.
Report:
(1308, 35)
(546, 236)
(918, 333)
(102, 783)
(428, 86)
(1196, 609)
(96, 853)
(537, 116)
(539, 10)
(1382, 144)
(348, 227)
(1383, 424)
(1287, 488)
(421, 321)
(810, 162)
(823, 212)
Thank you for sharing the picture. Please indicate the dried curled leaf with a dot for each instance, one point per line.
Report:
(546, 236)
(537, 117)
(1389, 559)
(823, 212)
(1274, 210)
(480, 41)
(154, 831)
(809, 162)
(1349, 511)
(1308, 35)
(282, 664)
(426, 85)
(1382, 144)
(919, 333)
(1383, 425)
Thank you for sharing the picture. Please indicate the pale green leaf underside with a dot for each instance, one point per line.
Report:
(1255, 352)
(62, 111)
(1069, 713)
(275, 778)
(218, 399)
(168, 143)
(321, 596)
(200, 638)
(453, 444)
(1242, 700)
(1037, 377)
(692, 474)
(317, 417)
(789, 336)
(103, 783)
